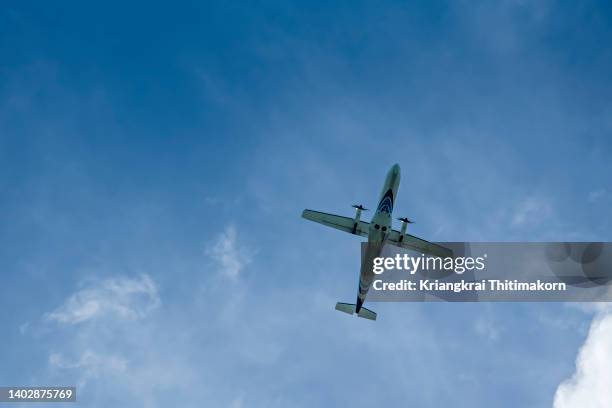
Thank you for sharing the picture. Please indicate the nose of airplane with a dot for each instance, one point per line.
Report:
(395, 169)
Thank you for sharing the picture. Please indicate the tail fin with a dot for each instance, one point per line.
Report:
(350, 309)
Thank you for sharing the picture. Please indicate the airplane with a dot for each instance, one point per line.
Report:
(379, 232)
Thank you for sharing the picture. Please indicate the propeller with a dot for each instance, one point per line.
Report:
(359, 207)
(406, 220)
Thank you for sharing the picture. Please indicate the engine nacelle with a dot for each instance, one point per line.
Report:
(358, 209)
(405, 221)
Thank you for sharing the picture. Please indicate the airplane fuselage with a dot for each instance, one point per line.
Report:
(380, 227)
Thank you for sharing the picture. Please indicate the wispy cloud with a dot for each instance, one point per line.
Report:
(90, 364)
(487, 328)
(133, 349)
(530, 210)
(230, 257)
(123, 297)
(596, 195)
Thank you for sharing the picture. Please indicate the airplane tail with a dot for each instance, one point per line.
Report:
(350, 309)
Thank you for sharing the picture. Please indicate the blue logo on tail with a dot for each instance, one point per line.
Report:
(386, 204)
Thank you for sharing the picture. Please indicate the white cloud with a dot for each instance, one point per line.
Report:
(90, 364)
(230, 257)
(487, 328)
(530, 210)
(596, 195)
(237, 403)
(590, 384)
(88, 359)
(134, 351)
(123, 297)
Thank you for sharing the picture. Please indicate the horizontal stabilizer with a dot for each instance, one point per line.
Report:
(367, 314)
(346, 307)
(350, 309)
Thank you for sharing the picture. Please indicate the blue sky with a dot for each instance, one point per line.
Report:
(155, 159)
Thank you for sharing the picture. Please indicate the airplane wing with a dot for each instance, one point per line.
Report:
(345, 224)
(418, 244)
